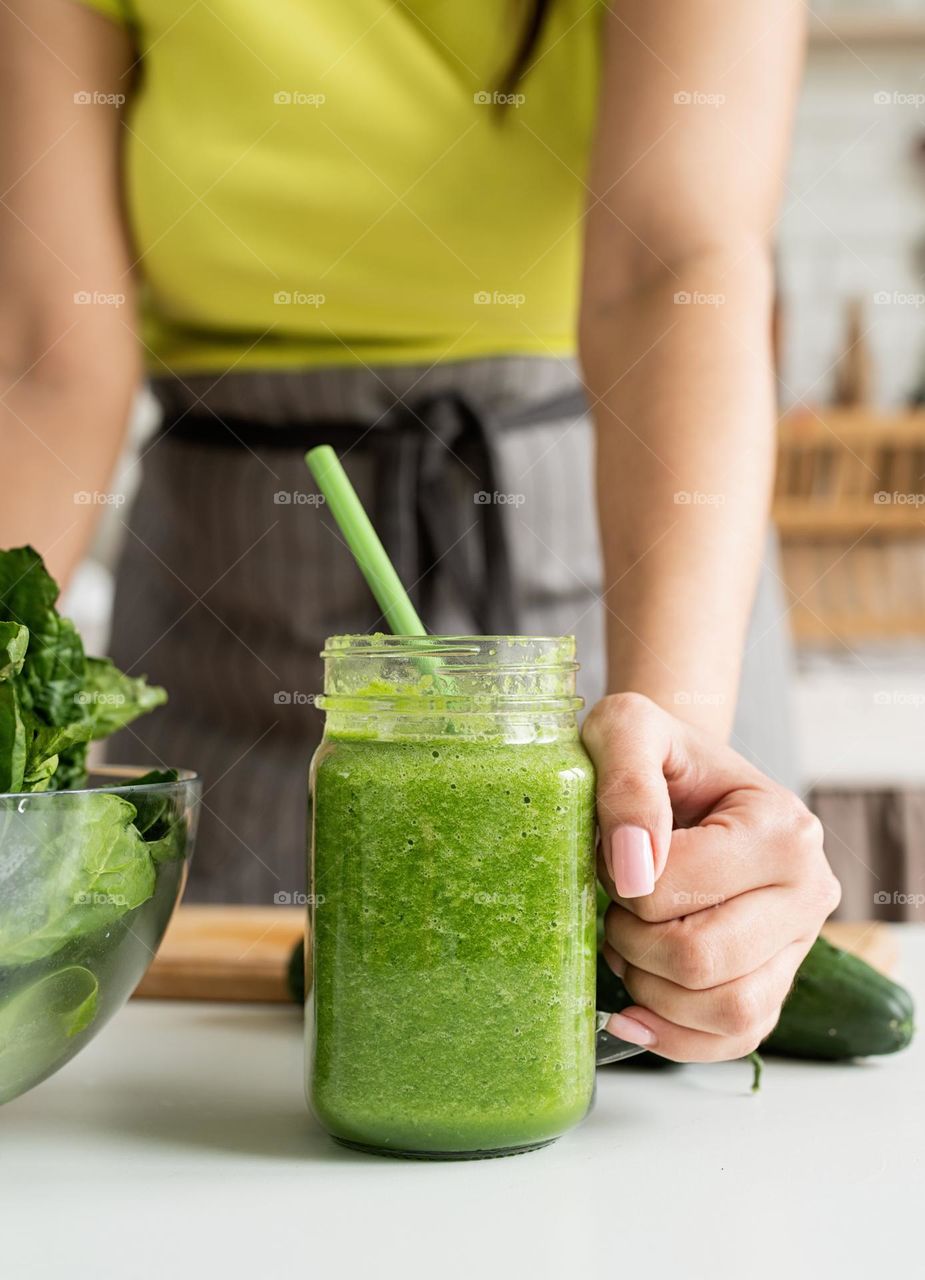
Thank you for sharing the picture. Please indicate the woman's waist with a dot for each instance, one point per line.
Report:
(501, 387)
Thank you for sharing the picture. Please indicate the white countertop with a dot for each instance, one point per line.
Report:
(178, 1145)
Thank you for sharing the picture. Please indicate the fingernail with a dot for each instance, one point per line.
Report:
(625, 1028)
(632, 862)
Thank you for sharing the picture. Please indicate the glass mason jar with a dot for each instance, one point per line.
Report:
(453, 896)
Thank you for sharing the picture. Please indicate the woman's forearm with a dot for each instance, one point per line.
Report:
(62, 439)
(680, 378)
(68, 355)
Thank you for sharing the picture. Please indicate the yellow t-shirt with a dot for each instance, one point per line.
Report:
(325, 181)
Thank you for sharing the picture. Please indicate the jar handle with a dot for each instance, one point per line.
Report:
(610, 1048)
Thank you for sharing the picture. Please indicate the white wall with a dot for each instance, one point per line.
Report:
(854, 214)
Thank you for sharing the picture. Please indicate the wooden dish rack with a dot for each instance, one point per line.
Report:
(849, 505)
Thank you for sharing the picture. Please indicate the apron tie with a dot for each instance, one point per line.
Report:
(436, 483)
(437, 464)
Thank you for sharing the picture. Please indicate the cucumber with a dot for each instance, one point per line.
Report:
(838, 1008)
(295, 973)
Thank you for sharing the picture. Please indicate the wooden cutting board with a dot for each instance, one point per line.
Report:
(225, 953)
(872, 940)
(242, 953)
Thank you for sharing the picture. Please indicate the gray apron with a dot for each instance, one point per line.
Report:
(479, 475)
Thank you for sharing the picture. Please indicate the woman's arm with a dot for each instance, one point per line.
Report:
(68, 366)
(718, 876)
(686, 173)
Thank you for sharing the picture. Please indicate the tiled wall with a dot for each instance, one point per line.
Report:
(854, 216)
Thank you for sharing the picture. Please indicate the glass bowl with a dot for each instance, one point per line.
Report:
(88, 882)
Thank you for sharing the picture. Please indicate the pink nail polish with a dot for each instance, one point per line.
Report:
(625, 1028)
(632, 862)
(615, 962)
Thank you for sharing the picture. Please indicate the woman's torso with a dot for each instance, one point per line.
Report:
(317, 182)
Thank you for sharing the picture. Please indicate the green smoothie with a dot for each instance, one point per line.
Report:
(454, 939)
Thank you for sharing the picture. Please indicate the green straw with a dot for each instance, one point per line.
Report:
(363, 541)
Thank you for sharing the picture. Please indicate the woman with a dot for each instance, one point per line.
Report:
(366, 223)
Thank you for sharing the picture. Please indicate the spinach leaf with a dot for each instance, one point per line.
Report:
(50, 674)
(154, 776)
(71, 871)
(163, 828)
(46, 746)
(76, 866)
(53, 671)
(27, 589)
(14, 640)
(108, 700)
(37, 1022)
(153, 811)
(112, 700)
(12, 740)
(61, 700)
(171, 846)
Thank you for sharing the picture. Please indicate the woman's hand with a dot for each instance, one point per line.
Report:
(711, 919)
